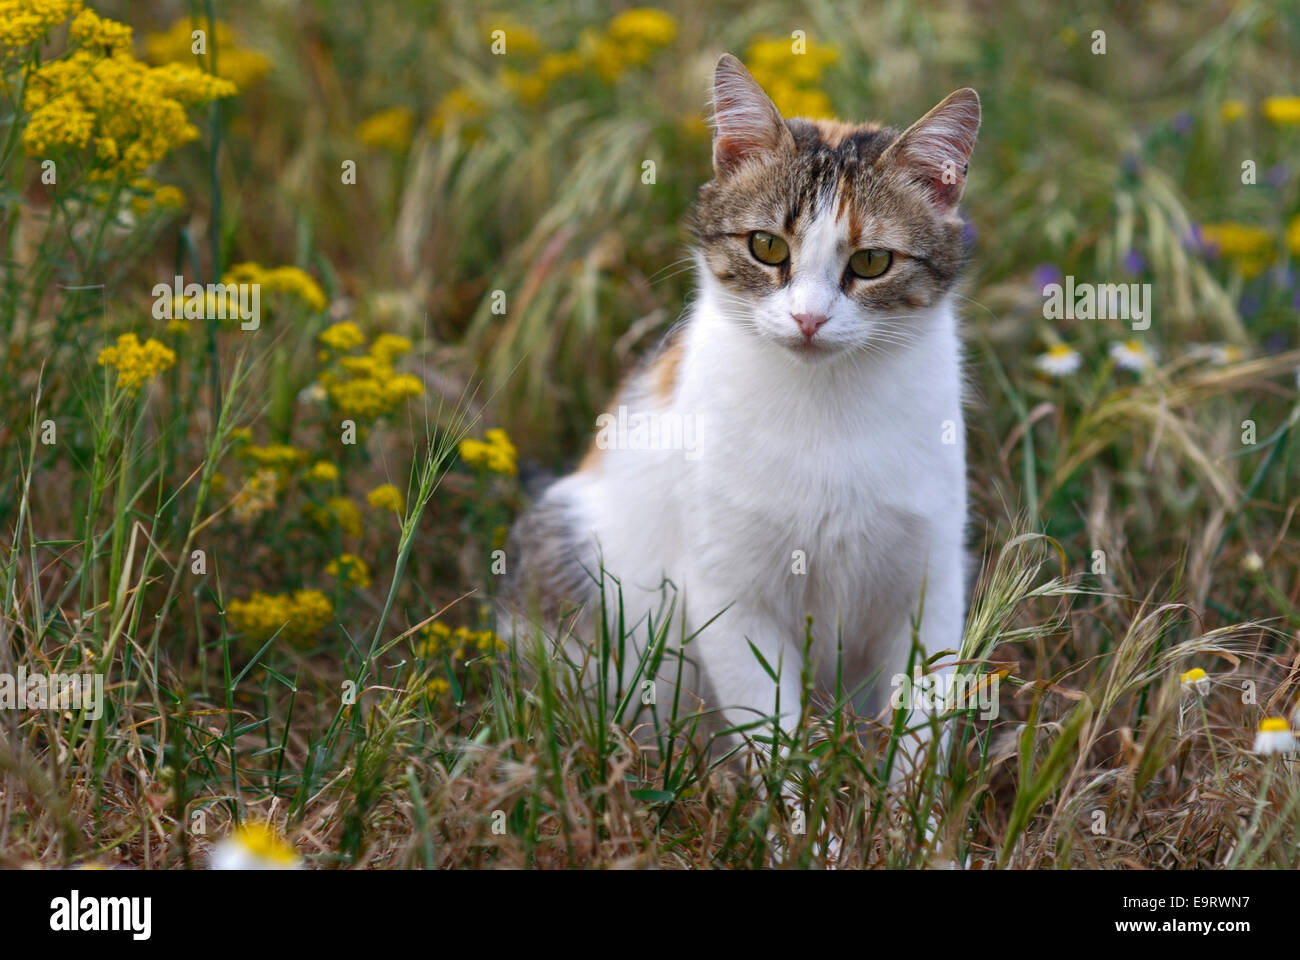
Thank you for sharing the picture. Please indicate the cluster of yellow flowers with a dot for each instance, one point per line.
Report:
(351, 569)
(322, 471)
(365, 386)
(148, 193)
(629, 40)
(438, 639)
(1279, 111)
(337, 510)
(241, 66)
(256, 496)
(792, 79)
(287, 280)
(389, 129)
(494, 451)
(1252, 248)
(24, 22)
(386, 497)
(136, 363)
(302, 614)
(135, 114)
(280, 457)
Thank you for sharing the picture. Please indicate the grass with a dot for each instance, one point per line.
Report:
(1125, 529)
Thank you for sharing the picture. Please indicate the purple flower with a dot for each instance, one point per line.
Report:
(1046, 273)
(968, 233)
(1283, 277)
(1134, 262)
(1194, 240)
(1182, 123)
(1276, 342)
(1278, 175)
(1248, 305)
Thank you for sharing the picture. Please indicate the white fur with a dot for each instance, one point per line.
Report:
(839, 455)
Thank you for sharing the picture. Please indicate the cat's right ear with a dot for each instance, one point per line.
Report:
(746, 124)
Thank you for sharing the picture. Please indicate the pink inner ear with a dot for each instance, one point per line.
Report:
(731, 149)
(938, 151)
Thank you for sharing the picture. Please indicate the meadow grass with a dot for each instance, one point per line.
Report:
(299, 629)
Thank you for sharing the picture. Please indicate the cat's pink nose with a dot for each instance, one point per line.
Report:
(809, 323)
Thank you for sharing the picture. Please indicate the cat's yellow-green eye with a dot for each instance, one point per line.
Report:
(768, 248)
(870, 263)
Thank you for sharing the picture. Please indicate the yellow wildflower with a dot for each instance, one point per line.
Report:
(1282, 111)
(791, 79)
(135, 114)
(640, 31)
(342, 336)
(280, 457)
(1293, 236)
(437, 687)
(256, 496)
(136, 363)
(338, 510)
(458, 106)
(1231, 110)
(520, 40)
(438, 639)
(254, 846)
(302, 614)
(288, 280)
(322, 471)
(1238, 239)
(389, 346)
(388, 129)
(24, 22)
(240, 65)
(386, 497)
(495, 452)
(351, 569)
(366, 385)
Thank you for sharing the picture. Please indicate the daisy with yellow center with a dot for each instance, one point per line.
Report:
(1218, 354)
(1132, 355)
(1060, 360)
(1274, 736)
(1196, 680)
(254, 846)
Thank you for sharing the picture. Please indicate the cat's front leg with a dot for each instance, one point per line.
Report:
(937, 624)
(740, 685)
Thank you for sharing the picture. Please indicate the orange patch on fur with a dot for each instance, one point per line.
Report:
(835, 132)
(664, 372)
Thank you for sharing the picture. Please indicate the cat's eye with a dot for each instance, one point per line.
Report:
(870, 263)
(768, 248)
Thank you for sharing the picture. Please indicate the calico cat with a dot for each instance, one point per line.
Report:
(817, 378)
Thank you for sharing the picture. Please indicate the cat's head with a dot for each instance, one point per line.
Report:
(827, 238)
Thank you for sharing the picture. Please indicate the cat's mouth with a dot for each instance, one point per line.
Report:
(813, 350)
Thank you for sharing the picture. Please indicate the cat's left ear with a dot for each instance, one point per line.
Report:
(936, 149)
(746, 123)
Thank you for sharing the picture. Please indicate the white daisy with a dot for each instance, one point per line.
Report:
(1196, 681)
(1274, 736)
(1132, 355)
(1060, 360)
(254, 846)
(1219, 354)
